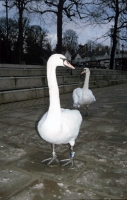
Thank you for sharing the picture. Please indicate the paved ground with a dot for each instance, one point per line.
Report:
(100, 170)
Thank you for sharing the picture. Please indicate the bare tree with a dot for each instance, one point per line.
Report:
(10, 40)
(36, 44)
(70, 40)
(21, 6)
(114, 13)
(61, 8)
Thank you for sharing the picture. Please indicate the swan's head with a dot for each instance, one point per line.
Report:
(59, 60)
(85, 70)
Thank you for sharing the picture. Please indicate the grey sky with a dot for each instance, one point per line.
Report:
(84, 34)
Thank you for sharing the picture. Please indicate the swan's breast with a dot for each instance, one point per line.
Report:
(87, 97)
(41, 122)
(61, 133)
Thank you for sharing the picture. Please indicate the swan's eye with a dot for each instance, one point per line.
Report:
(64, 60)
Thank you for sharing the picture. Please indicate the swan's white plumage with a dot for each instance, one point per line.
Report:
(65, 132)
(58, 126)
(83, 96)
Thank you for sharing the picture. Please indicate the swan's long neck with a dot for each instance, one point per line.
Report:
(86, 82)
(54, 108)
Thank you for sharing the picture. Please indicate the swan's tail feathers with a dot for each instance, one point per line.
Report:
(94, 99)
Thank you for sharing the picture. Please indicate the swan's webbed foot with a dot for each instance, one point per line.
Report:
(68, 162)
(51, 161)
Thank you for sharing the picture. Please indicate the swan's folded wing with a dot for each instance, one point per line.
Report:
(41, 121)
(92, 96)
(77, 94)
(71, 122)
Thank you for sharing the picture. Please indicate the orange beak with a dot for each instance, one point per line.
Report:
(84, 71)
(66, 63)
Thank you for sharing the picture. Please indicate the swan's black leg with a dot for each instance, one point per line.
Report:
(53, 159)
(69, 162)
(87, 106)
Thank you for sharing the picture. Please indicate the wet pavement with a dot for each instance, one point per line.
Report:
(100, 164)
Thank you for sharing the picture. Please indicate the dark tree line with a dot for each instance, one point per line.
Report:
(35, 43)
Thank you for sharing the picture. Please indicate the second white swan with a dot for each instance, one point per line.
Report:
(83, 96)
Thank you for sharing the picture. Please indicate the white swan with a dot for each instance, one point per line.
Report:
(83, 96)
(58, 126)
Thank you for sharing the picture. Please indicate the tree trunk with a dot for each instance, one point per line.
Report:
(112, 55)
(114, 37)
(59, 26)
(20, 35)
